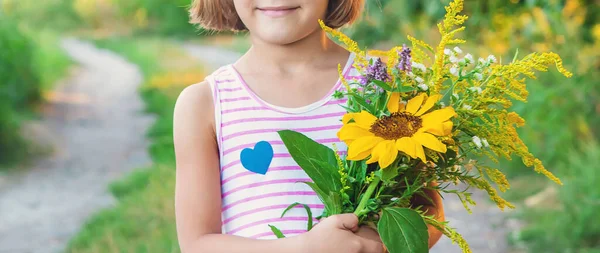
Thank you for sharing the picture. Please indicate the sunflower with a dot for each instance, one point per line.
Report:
(408, 129)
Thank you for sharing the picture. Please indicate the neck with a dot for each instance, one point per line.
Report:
(314, 48)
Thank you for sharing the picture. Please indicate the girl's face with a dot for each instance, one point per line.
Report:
(281, 21)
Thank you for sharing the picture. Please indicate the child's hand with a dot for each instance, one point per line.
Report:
(339, 233)
(369, 233)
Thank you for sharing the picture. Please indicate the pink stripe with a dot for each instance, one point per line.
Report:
(337, 102)
(284, 168)
(279, 181)
(301, 130)
(270, 195)
(225, 81)
(238, 229)
(287, 155)
(230, 89)
(234, 99)
(267, 208)
(285, 232)
(243, 109)
(353, 77)
(249, 145)
(320, 116)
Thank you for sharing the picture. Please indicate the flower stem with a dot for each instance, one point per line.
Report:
(361, 209)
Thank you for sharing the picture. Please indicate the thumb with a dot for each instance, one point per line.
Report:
(348, 221)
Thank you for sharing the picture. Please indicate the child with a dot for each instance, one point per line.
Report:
(234, 175)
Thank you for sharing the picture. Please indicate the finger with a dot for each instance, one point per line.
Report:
(368, 233)
(348, 221)
(370, 246)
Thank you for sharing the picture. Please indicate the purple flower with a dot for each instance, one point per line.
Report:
(377, 71)
(363, 80)
(405, 60)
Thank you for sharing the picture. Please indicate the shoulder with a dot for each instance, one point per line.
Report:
(194, 106)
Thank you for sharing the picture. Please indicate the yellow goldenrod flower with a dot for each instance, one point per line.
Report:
(408, 129)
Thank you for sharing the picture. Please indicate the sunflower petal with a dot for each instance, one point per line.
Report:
(434, 128)
(358, 147)
(394, 102)
(419, 150)
(407, 146)
(438, 116)
(414, 104)
(347, 117)
(448, 127)
(375, 154)
(352, 132)
(364, 119)
(430, 141)
(362, 156)
(385, 153)
(428, 104)
(388, 155)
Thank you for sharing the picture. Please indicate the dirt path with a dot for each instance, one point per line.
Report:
(95, 123)
(485, 230)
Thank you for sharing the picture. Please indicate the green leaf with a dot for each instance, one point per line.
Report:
(308, 211)
(317, 160)
(336, 199)
(407, 88)
(383, 85)
(388, 174)
(362, 102)
(403, 230)
(277, 232)
(330, 203)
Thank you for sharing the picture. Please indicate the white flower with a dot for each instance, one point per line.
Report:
(455, 168)
(411, 74)
(447, 52)
(468, 107)
(482, 61)
(442, 104)
(419, 66)
(485, 143)
(419, 79)
(478, 76)
(455, 96)
(476, 89)
(458, 50)
(469, 57)
(491, 59)
(453, 59)
(454, 71)
(394, 199)
(423, 86)
(477, 141)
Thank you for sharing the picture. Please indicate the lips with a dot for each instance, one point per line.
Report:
(278, 11)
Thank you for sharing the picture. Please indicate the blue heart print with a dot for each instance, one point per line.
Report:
(258, 159)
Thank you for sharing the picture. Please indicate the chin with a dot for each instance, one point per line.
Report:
(279, 37)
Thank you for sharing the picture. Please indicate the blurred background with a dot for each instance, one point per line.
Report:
(87, 89)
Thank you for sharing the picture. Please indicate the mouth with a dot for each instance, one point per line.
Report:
(278, 11)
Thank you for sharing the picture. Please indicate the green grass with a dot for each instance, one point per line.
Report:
(51, 61)
(143, 220)
(31, 61)
(573, 225)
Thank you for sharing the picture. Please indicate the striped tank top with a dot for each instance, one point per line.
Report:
(259, 178)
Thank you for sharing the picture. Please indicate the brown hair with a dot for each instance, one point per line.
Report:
(220, 15)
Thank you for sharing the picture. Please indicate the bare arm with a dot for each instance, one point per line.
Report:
(435, 207)
(198, 189)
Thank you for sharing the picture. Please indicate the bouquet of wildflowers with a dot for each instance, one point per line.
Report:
(425, 119)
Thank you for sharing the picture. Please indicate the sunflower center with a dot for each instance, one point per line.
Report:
(396, 126)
